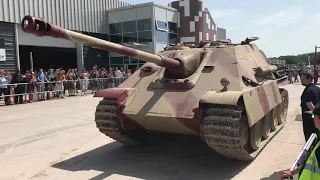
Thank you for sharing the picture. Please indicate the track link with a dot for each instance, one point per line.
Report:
(108, 122)
(221, 130)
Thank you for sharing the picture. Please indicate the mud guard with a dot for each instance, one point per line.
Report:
(120, 94)
(255, 111)
(218, 97)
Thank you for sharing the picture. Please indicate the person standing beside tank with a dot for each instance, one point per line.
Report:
(20, 88)
(41, 86)
(295, 73)
(4, 88)
(117, 75)
(310, 96)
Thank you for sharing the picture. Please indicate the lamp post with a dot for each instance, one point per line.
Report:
(315, 68)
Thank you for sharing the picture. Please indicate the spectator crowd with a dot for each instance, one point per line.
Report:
(42, 85)
(17, 88)
(294, 72)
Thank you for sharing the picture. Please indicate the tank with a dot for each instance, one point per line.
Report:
(227, 94)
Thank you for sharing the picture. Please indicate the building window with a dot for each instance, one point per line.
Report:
(116, 60)
(162, 25)
(115, 28)
(129, 32)
(173, 27)
(126, 60)
(112, 54)
(161, 36)
(129, 26)
(133, 60)
(130, 37)
(144, 24)
(116, 38)
(173, 33)
(173, 38)
(144, 36)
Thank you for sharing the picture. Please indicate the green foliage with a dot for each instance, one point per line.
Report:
(299, 59)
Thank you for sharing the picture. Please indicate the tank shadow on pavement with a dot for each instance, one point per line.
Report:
(172, 157)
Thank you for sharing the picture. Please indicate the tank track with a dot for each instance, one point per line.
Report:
(108, 122)
(221, 131)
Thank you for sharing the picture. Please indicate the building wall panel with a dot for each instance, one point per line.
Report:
(11, 10)
(16, 12)
(114, 17)
(22, 10)
(129, 15)
(221, 34)
(144, 12)
(78, 15)
(31, 40)
(160, 13)
(52, 15)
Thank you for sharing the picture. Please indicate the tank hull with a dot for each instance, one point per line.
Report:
(228, 94)
(237, 123)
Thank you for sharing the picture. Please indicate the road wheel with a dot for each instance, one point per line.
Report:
(255, 135)
(275, 117)
(266, 125)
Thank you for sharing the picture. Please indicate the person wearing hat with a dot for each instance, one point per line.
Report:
(309, 97)
(310, 170)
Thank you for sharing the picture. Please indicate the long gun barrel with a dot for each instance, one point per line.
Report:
(40, 27)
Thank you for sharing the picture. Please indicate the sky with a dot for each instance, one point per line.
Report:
(285, 27)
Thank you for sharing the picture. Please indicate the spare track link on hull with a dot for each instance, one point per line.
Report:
(221, 130)
(108, 122)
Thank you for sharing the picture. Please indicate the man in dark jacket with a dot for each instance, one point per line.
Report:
(309, 97)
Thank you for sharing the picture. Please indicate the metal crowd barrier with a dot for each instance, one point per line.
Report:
(32, 92)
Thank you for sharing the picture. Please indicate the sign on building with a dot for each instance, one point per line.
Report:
(221, 34)
(2, 55)
(2, 51)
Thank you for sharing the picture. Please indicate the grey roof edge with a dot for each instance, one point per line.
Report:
(141, 5)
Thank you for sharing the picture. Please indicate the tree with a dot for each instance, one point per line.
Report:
(300, 58)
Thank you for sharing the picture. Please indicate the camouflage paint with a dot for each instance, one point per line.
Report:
(166, 105)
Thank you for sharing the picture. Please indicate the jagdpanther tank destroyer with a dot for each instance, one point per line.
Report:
(227, 94)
